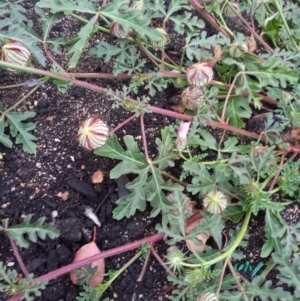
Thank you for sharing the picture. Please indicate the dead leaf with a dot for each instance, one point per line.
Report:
(50, 118)
(97, 177)
(85, 251)
(217, 55)
(189, 243)
(252, 46)
(217, 51)
(178, 108)
(63, 195)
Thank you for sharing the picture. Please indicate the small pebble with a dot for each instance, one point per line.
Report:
(10, 264)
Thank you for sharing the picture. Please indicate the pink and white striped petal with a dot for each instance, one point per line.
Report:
(93, 133)
(16, 53)
(200, 74)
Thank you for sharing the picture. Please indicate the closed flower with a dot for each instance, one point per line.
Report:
(16, 53)
(192, 97)
(117, 30)
(163, 42)
(92, 133)
(215, 202)
(237, 49)
(207, 297)
(200, 74)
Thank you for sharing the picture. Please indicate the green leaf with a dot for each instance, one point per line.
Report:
(67, 6)
(112, 149)
(4, 139)
(234, 212)
(82, 43)
(148, 186)
(33, 231)
(258, 288)
(288, 272)
(196, 44)
(186, 21)
(230, 146)
(131, 19)
(136, 200)
(205, 182)
(207, 141)
(238, 108)
(273, 225)
(105, 50)
(20, 130)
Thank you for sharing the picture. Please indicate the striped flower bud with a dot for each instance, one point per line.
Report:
(117, 30)
(139, 6)
(92, 133)
(16, 53)
(207, 297)
(237, 49)
(181, 141)
(228, 12)
(191, 97)
(215, 202)
(163, 42)
(200, 74)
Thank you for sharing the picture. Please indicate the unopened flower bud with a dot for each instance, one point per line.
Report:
(237, 49)
(117, 30)
(163, 42)
(139, 6)
(200, 74)
(215, 202)
(207, 297)
(92, 133)
(16, 53)
(181, 141)
(175, 258)
(228, 12)
(192, 97)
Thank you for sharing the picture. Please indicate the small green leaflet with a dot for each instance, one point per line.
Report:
(256, 288)
(33, 231)
(4, 139)
(82, 43)
(207, 141)
(20, 130)
(67, 6)
(289, 272)
(238, 108)
(147, 186)
(195, 43)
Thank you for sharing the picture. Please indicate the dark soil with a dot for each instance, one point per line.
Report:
(30, 184)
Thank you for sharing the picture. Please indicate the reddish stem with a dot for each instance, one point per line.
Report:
(122, 124)
(54, 61)
(153, 251)
(278, 172)
(18, 257)
(144, 138)
(209, 18)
